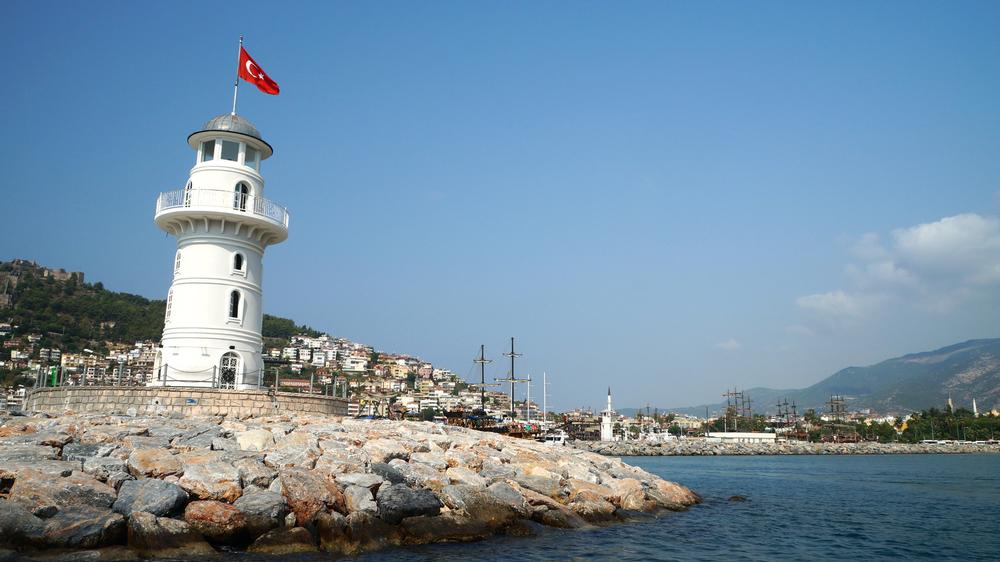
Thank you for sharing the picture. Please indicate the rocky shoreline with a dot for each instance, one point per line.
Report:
(123, 487)
(698, 447)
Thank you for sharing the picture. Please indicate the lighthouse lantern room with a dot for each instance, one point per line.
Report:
(223, 224)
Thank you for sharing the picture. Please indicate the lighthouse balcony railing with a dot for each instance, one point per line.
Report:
(231, 201)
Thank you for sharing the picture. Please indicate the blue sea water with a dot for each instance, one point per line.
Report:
(893, 507)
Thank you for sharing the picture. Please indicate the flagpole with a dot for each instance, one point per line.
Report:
(236, 84)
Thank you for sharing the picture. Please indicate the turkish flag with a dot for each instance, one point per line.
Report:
(253, 73)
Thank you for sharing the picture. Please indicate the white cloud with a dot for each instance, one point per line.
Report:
(965, 246)
(731, 344)
(800, 330)
(834, 303)
(936, 265)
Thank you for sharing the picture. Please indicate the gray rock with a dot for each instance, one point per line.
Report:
(18, 527)
(11, 469)
(197, 439)
(45, 495)
(285, 541)
(370, 481)
(84, 527)
(254, 472)
(79, 451)
(395, 502)
(263, 510)
(224, 444)
(387, 472)
(103, 467)
(10, 453)
(163, 537)
(116, 479)
(359, 498)
(212, 481)
(152, 496)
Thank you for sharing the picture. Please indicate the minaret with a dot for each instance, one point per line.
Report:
(223, 223)
(951, 406)
(607, 424)
(975, 410)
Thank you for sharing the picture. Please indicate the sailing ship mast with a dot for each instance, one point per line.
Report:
(511, 378)
(482, 361)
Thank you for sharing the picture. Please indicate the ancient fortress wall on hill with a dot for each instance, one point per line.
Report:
(188, 401)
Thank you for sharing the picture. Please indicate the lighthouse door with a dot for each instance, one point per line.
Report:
(227, 370)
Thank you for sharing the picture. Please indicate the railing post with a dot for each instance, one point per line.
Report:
(214, 367)
(166, 373)
(276, 380)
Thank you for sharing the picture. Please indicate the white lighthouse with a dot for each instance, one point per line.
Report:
(223, 224)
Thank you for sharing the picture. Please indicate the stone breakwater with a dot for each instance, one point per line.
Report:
(163, 486)
(695, 447)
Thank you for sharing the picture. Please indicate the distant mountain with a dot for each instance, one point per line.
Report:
(909, 383)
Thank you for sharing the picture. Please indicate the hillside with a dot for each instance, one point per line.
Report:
(71, 315)
(912, 382)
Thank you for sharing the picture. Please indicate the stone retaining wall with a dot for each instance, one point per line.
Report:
(187, 401)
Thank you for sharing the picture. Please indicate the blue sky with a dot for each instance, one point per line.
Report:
(671, 198)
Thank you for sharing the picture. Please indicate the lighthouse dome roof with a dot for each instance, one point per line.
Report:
(233, 124)
(230, 123)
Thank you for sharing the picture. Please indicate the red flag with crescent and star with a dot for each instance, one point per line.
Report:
(253, 73)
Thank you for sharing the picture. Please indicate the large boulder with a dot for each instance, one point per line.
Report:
(45, 495)
(198, 438)
(308, 493)
(103, 467)
(627, 493)
(365, 480)
(359, 532)
(150, 495)
(155, 537)
(18, 526)
(463, 475)
(84, 527)
(296, 450)
(388, 473)
(9, 470)
(396, 502)
(358, 498)
(281, 542)
(217, 521)
(212, 481)
(254, 472)
(263, 511)
(383, 450)
(444, 528)
(153, 463)
(254, 439)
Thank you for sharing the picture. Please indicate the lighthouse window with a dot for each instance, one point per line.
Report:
(207, 150)
(177, 263)
(252, 157)
(230, 150)
(234, 304)
(238, 262)
(170, 302)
